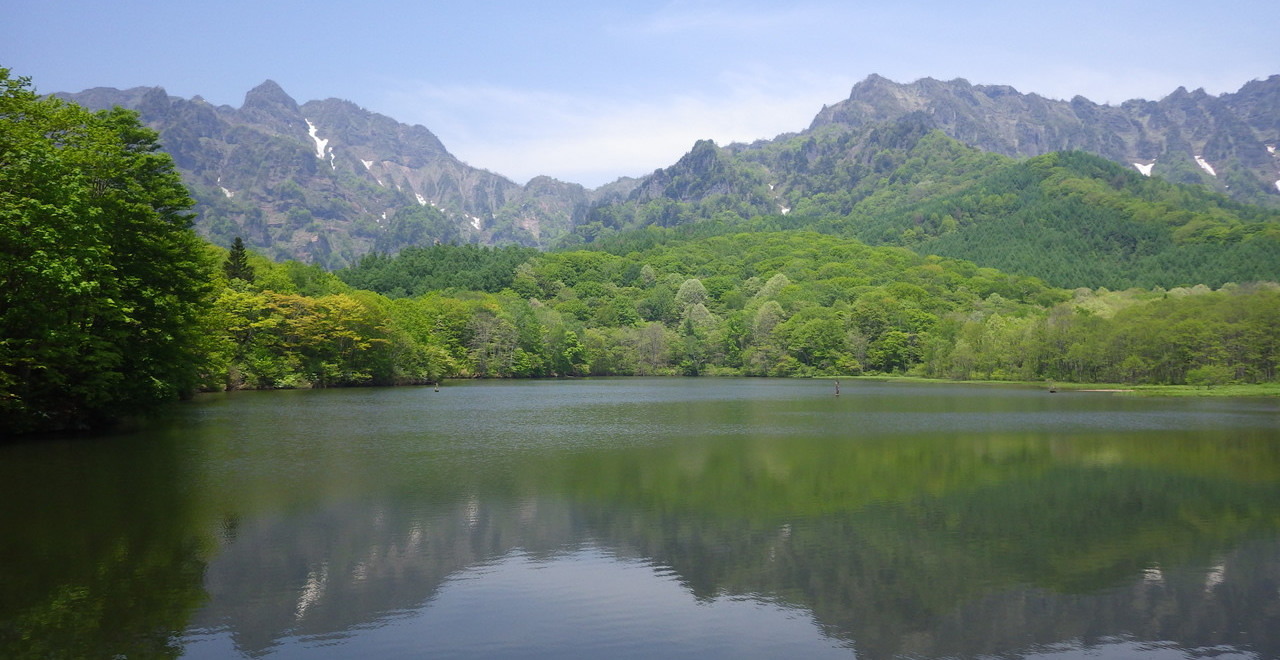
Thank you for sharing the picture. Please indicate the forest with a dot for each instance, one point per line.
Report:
(754, 304)
(773, 303)
(110, 305)
(1070, 218)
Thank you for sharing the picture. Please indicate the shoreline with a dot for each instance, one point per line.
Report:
(1271, 390)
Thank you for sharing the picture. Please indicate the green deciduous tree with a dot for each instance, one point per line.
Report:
(573, 359)
(103, 285)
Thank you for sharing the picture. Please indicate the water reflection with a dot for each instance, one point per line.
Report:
(704, 518)
(883, 592)
(518, 606)
(100, 556)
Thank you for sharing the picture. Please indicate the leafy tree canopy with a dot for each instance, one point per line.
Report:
(103, 285)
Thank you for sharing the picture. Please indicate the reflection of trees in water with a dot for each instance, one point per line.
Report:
(1231, 604)
(932, 547)
(919, 546)
(893, 591)
(1051, 552)
(900, 578)
(97, 557)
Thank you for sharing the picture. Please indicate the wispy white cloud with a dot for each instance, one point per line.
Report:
(594, 139)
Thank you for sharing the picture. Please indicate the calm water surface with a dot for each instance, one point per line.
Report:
(652, 518)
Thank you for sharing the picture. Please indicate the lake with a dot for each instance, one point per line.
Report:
(652, 518)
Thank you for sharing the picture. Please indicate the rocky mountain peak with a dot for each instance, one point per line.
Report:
(877, 90)
(328, 181)
(1188, 136)
(269, 96)
(155, 102)
(869, 84)
(268, 105)
(1259, 104)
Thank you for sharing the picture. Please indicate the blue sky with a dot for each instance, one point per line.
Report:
(588, 92)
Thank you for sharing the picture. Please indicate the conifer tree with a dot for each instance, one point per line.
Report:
(237, 265)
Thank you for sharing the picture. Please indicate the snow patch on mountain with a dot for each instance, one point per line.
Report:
(422, 201)
(1271, 149)
(367, 163)
(321, 143)
(1145, 169)
(1204, 165)
(228, 193)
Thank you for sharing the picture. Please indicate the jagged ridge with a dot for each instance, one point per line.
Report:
(1226, 142)
(328, 181)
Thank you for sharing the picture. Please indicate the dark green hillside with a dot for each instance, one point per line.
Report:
(1074, 219)
(1070, 218)
(420, 270)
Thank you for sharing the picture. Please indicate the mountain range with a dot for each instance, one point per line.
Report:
(1226, 142)
(327, 181)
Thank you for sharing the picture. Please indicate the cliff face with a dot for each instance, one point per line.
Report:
(1226, 142)
(328, 181)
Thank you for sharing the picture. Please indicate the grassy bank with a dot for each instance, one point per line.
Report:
(1120, 389)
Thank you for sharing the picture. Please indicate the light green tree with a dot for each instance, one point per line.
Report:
(574, 355)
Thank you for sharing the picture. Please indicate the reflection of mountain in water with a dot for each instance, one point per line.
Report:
(1230, 604)
(949, 528)
(1077, 554)
(342, 566)
(897, 593)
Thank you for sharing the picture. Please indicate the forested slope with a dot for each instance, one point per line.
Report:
(1070, 218)
(787, 303)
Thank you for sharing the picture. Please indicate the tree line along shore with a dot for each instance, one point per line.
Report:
(110, 304)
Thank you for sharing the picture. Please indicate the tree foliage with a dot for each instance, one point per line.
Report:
(417, 270)
(767, 304)
(103, 285)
